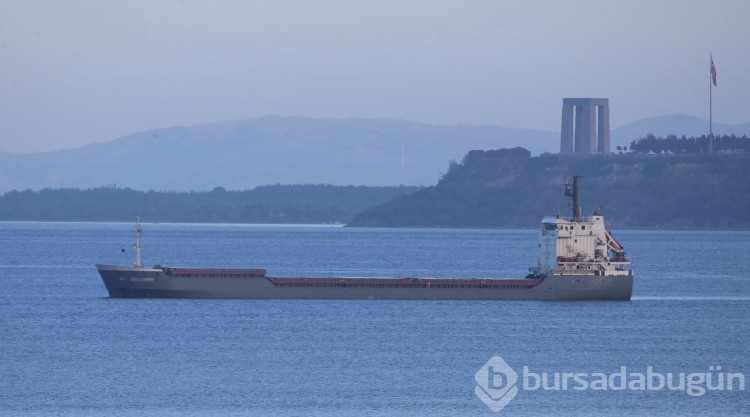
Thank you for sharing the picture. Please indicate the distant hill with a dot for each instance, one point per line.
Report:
(266, 204)
(509, 188)
(291, 150)
(269, 150)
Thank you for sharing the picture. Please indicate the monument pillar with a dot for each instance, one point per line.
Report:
(602, 133)
(585, 126)
(566, 134)
(585, 129)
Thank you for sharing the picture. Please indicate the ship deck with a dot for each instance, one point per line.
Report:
(403, 282)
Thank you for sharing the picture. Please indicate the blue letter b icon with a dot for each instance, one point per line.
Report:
(495, 380)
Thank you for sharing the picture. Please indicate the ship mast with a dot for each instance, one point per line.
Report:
(572, 191)
(137, 245)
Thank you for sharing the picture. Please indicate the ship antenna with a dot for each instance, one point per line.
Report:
(573, 192)
(137, 245)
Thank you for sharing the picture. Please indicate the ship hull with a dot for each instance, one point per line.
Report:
(128, 282)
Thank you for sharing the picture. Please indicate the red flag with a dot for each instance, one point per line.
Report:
(713, 72)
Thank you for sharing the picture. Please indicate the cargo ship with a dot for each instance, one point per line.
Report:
(579, 259)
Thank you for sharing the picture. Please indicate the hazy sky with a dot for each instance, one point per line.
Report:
(77, 72)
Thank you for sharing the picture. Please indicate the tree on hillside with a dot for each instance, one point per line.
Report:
(690, 145)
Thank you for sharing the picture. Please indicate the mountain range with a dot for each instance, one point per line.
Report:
(292, 150)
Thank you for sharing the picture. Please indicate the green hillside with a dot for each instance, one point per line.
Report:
(265, 204)
(508, 188)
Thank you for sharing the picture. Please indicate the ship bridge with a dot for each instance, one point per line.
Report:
(580, 244)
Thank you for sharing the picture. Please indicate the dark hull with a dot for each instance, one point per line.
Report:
(128, 282)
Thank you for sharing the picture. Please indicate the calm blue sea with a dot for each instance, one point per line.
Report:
(66, 349)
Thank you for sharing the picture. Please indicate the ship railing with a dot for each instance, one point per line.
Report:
(573, 219)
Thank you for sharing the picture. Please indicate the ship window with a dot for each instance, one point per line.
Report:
(583, 227)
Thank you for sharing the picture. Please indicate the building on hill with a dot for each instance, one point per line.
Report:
(586, 120)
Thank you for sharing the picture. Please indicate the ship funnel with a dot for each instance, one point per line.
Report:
(571, 190)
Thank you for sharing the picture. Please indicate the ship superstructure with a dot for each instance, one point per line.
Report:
(579, 245)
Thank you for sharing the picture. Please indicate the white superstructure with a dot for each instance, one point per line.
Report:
(579, 245)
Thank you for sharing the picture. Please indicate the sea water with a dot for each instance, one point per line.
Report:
(67, 349)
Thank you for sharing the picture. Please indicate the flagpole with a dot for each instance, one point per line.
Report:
(710, 107)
